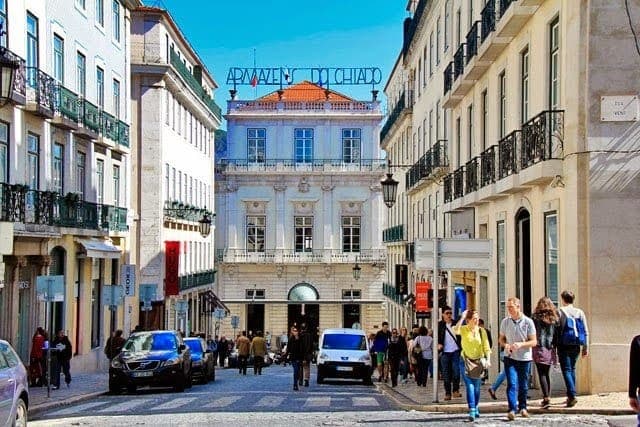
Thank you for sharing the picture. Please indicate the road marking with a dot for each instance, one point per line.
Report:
(364, 401)
(174, 403)
(223, 401)
(126, 406)
(79, 408)
(316, 402)
(271, 401)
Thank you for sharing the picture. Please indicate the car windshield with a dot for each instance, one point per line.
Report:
(150, 342)
(344, 342)
(194, 345)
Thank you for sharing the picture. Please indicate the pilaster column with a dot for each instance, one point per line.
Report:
(233, 214)
(327, 212)
(280, 237)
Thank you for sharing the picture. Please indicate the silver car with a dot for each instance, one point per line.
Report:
(14, 389)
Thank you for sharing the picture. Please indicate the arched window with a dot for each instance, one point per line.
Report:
(303, 292)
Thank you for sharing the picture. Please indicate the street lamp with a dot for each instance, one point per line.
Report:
(389, 189)
(356, 271)
(205, 224)
(8, 67)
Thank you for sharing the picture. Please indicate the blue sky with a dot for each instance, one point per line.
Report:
(330, 33)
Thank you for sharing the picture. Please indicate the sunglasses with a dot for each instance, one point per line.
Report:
(448, 312)
(395, 332)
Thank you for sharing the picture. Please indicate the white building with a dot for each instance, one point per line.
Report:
(64, 169)
(174, 121)
(299, 203)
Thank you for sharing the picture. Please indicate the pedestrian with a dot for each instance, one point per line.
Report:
(574, 334)
(36, 358)
(449, 349)
(634, 376)
(475, 358)
(404, 361)
(380, 345)
(307, 349)
(295, 354)
(243, 345)
(62, 347)
(517, 337)
(223, 350)
(485, 377)
(259, 350)
(502, 375)
(545, 318)
(267, 338)
(114, 344)
(284, 338)
(423, 353)
(396, 353)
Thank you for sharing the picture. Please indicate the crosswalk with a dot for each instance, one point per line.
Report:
(207, 402)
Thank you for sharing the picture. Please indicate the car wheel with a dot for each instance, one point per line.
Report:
(21, 414)
(189, 381)
(131, 388)
(320, 376)
(114, 388)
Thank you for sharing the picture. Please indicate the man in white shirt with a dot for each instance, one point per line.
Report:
(449, 349)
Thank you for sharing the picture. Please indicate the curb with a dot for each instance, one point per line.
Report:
(49, 405)
(408, 404)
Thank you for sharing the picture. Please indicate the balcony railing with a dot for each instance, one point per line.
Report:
(448, 78)
(404, 102)
(488, 16)
(504, 5)
(389, 291)
(68, 104)
(410, 252)
(488, 166)
(19, 93)
(447, 182)
(123, 134)
(425, 167)
(458, 62)
(90, 116)
(20, 204)
(458, 182)
(508, 164)
(542, 138)
(44, 87)
(194, 84)
(110, 128)
(471, 176)
(472, 41)
(393, 234)
(183, 212)
(194, 280)
(316, 165)
(413, 26)
(290, 256)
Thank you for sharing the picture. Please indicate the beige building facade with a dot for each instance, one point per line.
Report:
(540, 104)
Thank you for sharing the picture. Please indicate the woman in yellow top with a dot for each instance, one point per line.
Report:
(475, 345)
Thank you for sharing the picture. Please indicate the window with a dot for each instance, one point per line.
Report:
(33, 161)
(100, 12)
(57, 169)
(304, 233)
(256, 140)
(554, 65)
(470, 132)
(524, 85)
(32, 50)
(351, 294)
(303, 139)
(458, 27)
(174, 182)
(502, 269)
(180, 186)
(116, 186)
(430, 128)
(351, 234)
(4, 152)
(256, 228)
(58, 58)
(437, 120)
(502, 85)
(351, 145)
(438, 41)
(167, 172)
(254, 293)
(80, 173)
(96, 308)
(447, 24)
(431, 54)
(81, 74)
(116, 20)
(458, 141)
(470, 15)
(485, 114)
(100, 87)
(116, 98)
(82, 4)
(100, 181)
(167, 107)
(552, 274)
(3, 22)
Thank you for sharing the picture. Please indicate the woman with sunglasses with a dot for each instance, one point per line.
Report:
(396, 352)
(295, 355)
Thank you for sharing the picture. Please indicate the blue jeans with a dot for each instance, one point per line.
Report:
(296, 364)
(568, 356)
(450, 365)
(472, 386)
(499, 380)
(517, 383)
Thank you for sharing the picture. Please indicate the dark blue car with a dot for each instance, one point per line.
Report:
(14, 389)
(202, 363)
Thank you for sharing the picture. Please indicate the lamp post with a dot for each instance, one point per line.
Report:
(356, 276)
(205, 224)
(8, 67)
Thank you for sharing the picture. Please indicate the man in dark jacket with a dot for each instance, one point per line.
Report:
(114, 344)
(307, 349)
(223, 349)
(449, 348)
(62, 352)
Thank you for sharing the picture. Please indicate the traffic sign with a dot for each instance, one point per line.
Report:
(235, 321)
(112, 295)
(182, 306)
(454, 254)
(128, 279)
(50, 288)
(148, 292)
(219, 314)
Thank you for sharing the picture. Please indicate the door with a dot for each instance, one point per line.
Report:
(523, 260)
(308, 314)
(7, 388)
(351, 316)
(255, 318)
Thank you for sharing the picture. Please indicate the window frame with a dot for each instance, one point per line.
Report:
(550, 290)
(81, 74)
(58, 58)
(99, 181)
(524, 84)
(256, 145)
(303, 143)
(115, 85)
(4, 19)
(57, 168)
(4, 146)
(351, 141)
(100, 12)
(554, 64)
(303, 233)
(115, 177)
(33, 161)
(502, 104)
(256, 226)
(81, 172)
(115, 20)
(100, 86)
(351, 229)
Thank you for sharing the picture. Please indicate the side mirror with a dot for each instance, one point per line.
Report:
(181, 348)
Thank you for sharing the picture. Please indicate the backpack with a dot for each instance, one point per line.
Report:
(573, 332)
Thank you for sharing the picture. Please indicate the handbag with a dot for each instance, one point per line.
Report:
(417, 350)
(543, 355)
(474, 368)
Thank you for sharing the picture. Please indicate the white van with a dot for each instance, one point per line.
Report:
(344, 353)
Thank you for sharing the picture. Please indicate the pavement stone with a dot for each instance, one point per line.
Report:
(411, 397)
(83, 386)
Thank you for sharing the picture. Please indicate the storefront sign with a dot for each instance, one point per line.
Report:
(128, 279)
(619, 108)
(172, 260)
(422, 292)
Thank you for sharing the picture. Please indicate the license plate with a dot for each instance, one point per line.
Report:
(143, 374)
(344, 368)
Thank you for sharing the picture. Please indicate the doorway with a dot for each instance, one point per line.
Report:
(308, 314)
(351, 316)
(523, 259)
(255, 318)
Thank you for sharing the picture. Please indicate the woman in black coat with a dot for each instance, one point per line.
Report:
(295, 354)
(396, 352)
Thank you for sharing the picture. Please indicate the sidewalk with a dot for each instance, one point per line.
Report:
(82, 387)
(411, 397)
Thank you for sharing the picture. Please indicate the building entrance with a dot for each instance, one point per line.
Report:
(255, 318)
(309, 314)
(523, 261)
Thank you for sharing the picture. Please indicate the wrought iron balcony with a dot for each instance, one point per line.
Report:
(488, 16)
(542, 138)
(12, 202)
(290, 165)
(458, 182)
(290, 256)
(194, 280)
(19, 93)
(405, 103)
(389, 291)
(472, 41)
(44, 91)
(447, 182)
(508, 151)
(458, 62)
(114, 218)
(393, 234)
(428, 164)
(110, 126)
(68, 104)
(90, 116)
(410, 252)
(448, 78)
(488, 166)
(471, 176)
(123, 134)
(177, 210)
(504, 5)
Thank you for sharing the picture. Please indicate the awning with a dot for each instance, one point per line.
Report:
(96, 248)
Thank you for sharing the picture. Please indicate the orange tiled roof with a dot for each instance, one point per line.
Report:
(305, 91)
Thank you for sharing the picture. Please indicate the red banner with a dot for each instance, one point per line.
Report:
(422, 291)
(172, 263)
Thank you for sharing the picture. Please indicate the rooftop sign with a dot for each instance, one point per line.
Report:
(323, 76)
